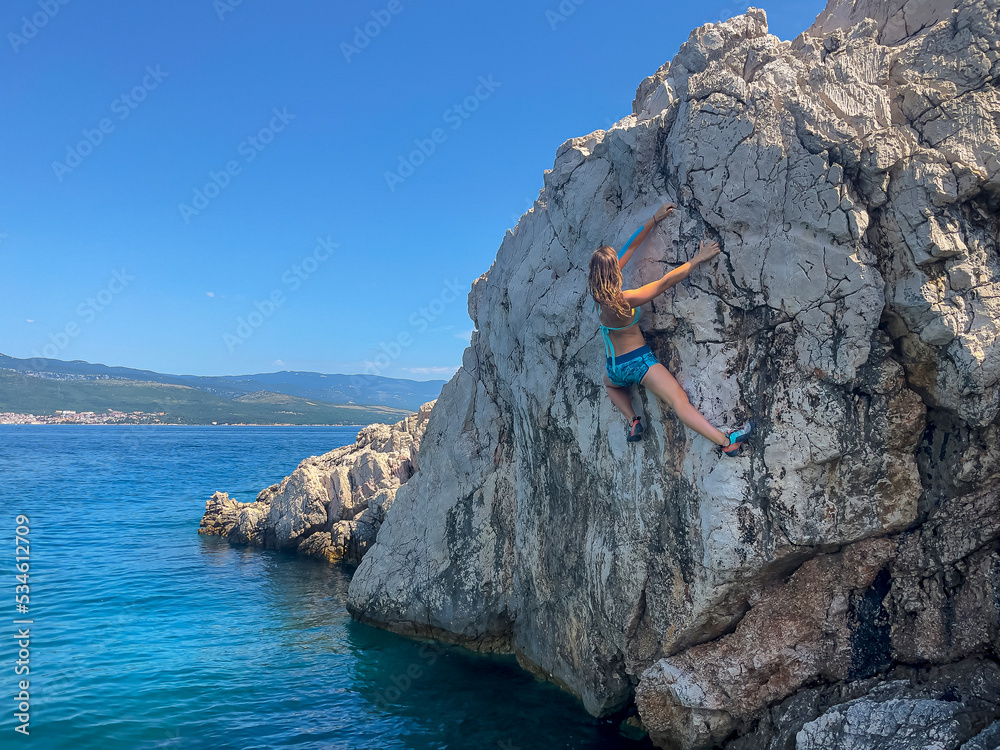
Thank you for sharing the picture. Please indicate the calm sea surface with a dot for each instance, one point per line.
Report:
(146, 634)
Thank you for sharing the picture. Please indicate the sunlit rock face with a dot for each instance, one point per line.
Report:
(852, 177)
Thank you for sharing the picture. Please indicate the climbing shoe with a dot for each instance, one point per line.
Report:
(635, 432)
(736, 437)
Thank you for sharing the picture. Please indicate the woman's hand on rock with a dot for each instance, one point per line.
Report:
(663, 212)
(706, 252)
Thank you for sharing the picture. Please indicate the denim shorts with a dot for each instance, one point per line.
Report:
(631, 367)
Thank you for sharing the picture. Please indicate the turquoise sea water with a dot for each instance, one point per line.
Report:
(146, 634)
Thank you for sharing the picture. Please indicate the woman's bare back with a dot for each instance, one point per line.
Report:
(623, 341)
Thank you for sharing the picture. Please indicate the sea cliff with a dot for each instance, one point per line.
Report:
(839, 584)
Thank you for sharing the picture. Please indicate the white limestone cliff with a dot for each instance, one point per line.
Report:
(852, 177)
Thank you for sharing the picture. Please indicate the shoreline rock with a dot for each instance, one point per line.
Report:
(331, 506)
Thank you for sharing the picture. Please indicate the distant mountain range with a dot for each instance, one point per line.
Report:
(43, 386)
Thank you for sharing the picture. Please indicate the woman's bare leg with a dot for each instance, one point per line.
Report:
(659, 380)
(622, 398)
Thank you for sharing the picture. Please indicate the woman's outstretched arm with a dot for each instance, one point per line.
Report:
(642, 295)
(637, 239)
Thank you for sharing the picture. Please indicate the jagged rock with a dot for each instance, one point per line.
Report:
(944, 600)
(221, 514)
(380, 503)
(897, 20)
(797, 633)
(251, 524)
(300, 507)
(332, 505)
(927, 596)
(896, 724)
(320, 545)
(853, 179)
(988, 739)
(352, 539)
(938, 708)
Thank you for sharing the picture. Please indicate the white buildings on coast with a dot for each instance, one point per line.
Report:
(111, 416)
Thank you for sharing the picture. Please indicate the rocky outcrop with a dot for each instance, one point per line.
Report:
(332, 505)
(924, 597)
(896, 20)
(943, 707)
(852, 177)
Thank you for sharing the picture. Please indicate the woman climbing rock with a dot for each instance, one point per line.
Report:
(630, 360)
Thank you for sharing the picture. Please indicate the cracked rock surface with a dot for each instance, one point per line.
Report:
(852, 177)
(944, 707)
(332, 505)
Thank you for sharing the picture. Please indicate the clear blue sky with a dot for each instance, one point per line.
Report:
(171, 94)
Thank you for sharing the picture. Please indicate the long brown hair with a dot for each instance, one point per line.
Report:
(605, 281)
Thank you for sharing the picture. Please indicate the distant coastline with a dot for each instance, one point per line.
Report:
(35, 420)
(170, 424)
(57, 392)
